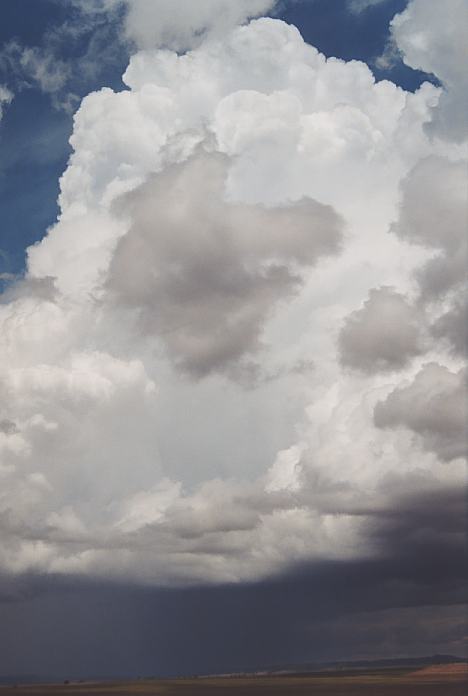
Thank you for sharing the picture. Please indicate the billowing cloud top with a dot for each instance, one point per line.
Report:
(242, 339)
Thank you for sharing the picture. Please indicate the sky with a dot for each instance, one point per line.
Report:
(233, 344)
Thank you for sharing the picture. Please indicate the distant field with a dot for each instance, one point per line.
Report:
(435, 681)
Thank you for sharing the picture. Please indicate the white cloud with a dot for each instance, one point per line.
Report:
(308, 121)
(77, 252)
(181, 26)
(193, 204)
(285, 473)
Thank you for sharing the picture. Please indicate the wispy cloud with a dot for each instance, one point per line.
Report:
(6, 97)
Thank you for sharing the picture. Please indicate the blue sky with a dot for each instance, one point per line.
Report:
(34, 132)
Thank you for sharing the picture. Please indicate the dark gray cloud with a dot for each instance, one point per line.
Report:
(433, 405)
(399, 602)
(442, 274)
(388, 330)
(453, 326)
(384, 334)
(7, 426)
(433, 214)
(432, 211)
(205, 274)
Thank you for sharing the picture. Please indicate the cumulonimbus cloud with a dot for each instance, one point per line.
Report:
(247, 192)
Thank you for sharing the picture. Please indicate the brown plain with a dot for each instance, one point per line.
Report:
(437, 680)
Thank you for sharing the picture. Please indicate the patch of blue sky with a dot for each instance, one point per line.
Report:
(335, 30)
(36, 126)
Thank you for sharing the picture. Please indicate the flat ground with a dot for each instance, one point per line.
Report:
(433, 682)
